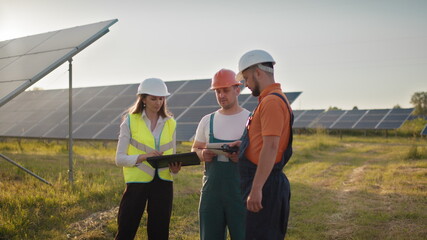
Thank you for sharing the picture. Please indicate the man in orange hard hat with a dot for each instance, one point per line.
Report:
(221, 202)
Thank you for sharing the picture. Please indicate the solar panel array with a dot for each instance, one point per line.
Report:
(352, 119)
(24, 61)
(97, 111)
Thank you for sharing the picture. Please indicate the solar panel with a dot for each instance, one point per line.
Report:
(371, 119)
(327, 119)
(122, 102)
(107, 115)
(88, 130)
(58, 131)
(174, 85)
(243, 97)
(305, 118)
(131, 90)
(38, 131)
(196, 86)
(176, 111)
(110, 132)
(292, 96)
(395, 119)
(195, 114)
(112, 91)
(424, 131)
(348, 119)
(182, 99)
(185, 130)
(24, 61)
(250, 106)
(209, 99)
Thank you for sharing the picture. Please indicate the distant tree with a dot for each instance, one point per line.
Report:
(355, 108)
(419, 100)
(397, 106)
(333, 108)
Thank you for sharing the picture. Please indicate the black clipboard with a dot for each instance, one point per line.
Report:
(186, 159)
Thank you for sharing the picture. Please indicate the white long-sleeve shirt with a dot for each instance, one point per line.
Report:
(125, 160)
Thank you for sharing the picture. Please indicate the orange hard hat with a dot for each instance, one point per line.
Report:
(224, 78)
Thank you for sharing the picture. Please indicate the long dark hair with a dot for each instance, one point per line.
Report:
(139, 106)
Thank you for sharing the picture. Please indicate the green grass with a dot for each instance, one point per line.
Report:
(351, 188)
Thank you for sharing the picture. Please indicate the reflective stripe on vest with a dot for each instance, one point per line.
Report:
(142, 141)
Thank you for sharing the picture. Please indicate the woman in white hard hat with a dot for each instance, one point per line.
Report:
(147, 130)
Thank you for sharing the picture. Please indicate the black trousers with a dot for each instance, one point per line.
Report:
(159, 195)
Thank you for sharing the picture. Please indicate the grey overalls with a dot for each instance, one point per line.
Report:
(221, 201)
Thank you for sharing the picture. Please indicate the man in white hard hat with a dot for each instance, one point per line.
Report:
(221, 203)
(265, 149)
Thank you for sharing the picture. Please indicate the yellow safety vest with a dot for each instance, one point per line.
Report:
(142, 141)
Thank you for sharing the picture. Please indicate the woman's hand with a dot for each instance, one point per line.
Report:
(174, 167)
(143, 157)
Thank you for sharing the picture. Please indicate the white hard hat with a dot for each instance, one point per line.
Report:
(154, 87)
(251, 58)
(254, 57)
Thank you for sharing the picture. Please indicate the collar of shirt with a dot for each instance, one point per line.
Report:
(268, 90)
(160, 121)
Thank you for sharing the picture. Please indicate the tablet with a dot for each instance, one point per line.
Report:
(186, 159)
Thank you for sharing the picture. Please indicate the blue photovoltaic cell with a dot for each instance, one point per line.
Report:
(121, 102)
(88, 130)
(305, 119)
(176, 111)
(326, 119)
(297, 113)
(371, 119)
(209, 99)
(173, 86)
(250, 106)
(107, 115)
(242, 97)
(196, 86)
(349, 119)
(395, 119)
(182, 99)
(131, 90)
(112, 91)
(111, 132)
(424, 131)
(292, 96)
(186, 130)
(196, 114)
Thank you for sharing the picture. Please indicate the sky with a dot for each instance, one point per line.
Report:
(338, 53)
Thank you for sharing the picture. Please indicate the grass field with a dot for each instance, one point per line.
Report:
(350, 188)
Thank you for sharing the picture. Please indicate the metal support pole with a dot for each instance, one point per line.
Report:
(70, 121)
(26, 170)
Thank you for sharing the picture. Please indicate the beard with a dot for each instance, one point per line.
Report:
(255, 91)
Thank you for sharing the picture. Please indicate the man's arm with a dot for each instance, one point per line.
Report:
(265, 165)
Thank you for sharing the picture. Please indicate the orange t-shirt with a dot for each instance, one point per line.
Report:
(271, 118)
